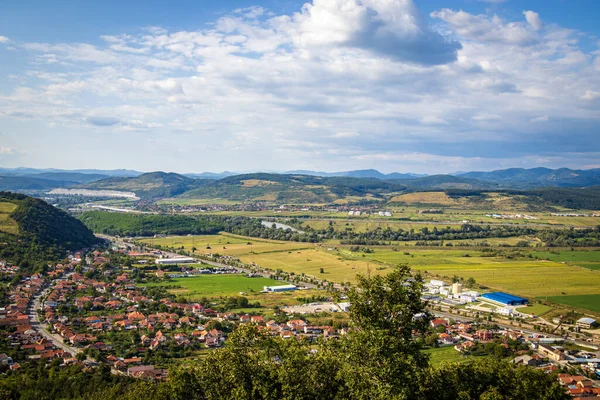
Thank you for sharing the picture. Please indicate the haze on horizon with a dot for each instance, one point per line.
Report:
(431, 86)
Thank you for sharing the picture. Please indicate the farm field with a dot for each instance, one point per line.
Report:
(585, 259)
(310, 262)
(217, 285)
(227, 244)
(589, 302)
(7, 224)
(523, 276)
(532, 278)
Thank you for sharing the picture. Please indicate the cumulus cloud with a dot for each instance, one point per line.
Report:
(390, 28)
(533, 19)
(4, 40)
(336, 85)
(487, 28)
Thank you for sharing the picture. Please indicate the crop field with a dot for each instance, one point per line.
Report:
(217, 285)
(523, 276)
(310, 262)
(585, 259)
(228, 244)
(588, 302)
(7, 224)
(532, 278)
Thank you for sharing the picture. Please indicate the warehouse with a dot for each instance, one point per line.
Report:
(505, 298)
(172, 261)
(281, 288)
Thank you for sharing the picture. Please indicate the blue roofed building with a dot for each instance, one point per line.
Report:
(505, 298)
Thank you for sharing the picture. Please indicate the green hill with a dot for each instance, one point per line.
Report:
(150, 185)
(33, 233)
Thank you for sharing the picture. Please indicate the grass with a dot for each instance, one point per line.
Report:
(536, 309)
(444, 354)
(588, 302)
(438, 198)
(526, 277)
(7, 224)
(217, 285)
(225, 244)
(530, 278)
(311, 261)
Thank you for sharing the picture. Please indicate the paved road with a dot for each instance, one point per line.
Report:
(213, 263)
(35, 323)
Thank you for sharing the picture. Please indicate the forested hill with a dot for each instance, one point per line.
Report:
(33, 233)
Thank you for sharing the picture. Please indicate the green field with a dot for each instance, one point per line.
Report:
(7, 224)
(218, 285)
(522, 276)
(444, 354)
(530, 278)
(535, 309)
(585, 259)
(589, 302)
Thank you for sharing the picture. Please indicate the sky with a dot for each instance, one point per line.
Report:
(423, 86)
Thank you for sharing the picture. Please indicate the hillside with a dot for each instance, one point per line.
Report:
(538, 177)
(31, 183)
(150, 185)
(32, 232)
(300, 189)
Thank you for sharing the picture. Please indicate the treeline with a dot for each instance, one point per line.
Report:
(44, 233)
(571, 237)
(148, 225)
(465, 231)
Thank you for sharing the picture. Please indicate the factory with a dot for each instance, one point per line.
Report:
(173, 261)
(280, 288)
(505, 299)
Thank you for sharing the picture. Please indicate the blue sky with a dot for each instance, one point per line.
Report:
(397, 85)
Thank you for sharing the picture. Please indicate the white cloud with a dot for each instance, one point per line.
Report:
(4, 40)
(542, 118)
(591, 95)
(433, 120)
(315, 88)
(487, 28)
(7, 151)
(390, 28)
(534, 20)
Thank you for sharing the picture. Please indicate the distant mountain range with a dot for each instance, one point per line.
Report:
(309, 186)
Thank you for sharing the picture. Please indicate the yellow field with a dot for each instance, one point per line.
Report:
(228, 244)
(440, 198)
(528, 278)
(7, 224)
(310, 262)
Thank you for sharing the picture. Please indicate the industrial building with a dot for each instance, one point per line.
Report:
(505, 298)
(172, 261)
(586, 323)
(280, 288)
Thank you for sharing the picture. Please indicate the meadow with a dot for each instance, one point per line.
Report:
(217, 285)
(7, 224)
(560, 281)
(587, 302)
